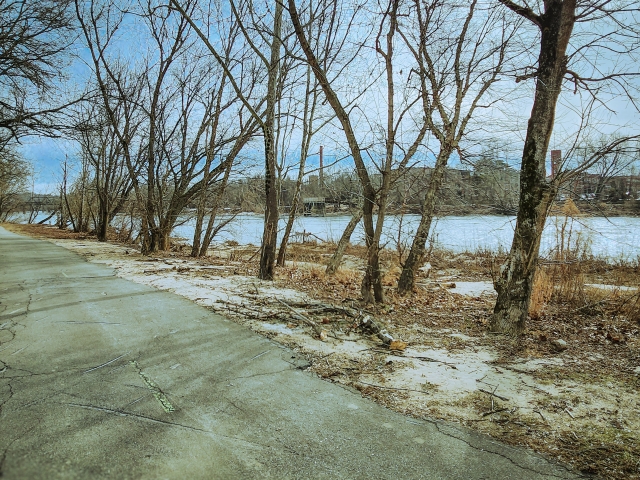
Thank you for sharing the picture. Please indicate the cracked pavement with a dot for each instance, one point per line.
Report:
(104, 378)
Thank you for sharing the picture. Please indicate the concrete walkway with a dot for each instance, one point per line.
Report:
(104, 378)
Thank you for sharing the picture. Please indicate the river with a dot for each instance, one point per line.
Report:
(615, 237)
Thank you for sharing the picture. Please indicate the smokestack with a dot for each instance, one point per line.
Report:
(321, 168)
(556, 160)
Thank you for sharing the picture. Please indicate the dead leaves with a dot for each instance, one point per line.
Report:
(397, 345)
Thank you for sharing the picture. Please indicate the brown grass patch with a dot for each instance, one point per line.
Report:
(44, 231)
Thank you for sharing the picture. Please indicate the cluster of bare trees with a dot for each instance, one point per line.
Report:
(179, 94)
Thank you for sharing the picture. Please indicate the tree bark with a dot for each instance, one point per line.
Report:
(334, 263)
(270, 234)
(103, 221)
(515, 282)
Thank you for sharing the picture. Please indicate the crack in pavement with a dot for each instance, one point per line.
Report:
(124, 413)
(159, 395)
(4, 401)
(3, 457)
(5, 366)
(261, 374)
(506, 457)
(137, 416)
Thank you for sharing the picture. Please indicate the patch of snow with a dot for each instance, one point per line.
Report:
(602, 286)
(473, 289)
(277, 327)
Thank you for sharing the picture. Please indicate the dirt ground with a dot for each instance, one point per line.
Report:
(568, 388)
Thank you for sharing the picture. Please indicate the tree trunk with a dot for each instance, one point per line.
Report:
(373, 276)
(354, 147)
(197, 233)
(282, 251)
(270, 234)
(103, 221)
(416, 253)
(307, 134)
(515, 281)
(210, 232)
(165, 242)
(334, 263)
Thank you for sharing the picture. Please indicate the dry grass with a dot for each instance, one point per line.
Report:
(631, 308)
(560, 278)
(541, 294)
(43, 231)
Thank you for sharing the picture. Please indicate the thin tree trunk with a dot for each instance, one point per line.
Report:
(307, 133)
(282, 251)
(270, 234)
(373, 276)
(210, 232)
(354, 147)
(418, 246)
(334, 263)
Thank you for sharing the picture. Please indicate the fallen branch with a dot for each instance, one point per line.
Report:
(490, 412)
(541, 416)
(370, 324)
(493, 394)
(392, 388)
(327, 307)
(429, 359)
(251, 312)
(297, 315)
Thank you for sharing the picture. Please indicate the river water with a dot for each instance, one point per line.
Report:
(615, 237)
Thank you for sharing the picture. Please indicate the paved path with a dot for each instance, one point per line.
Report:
(104, 378)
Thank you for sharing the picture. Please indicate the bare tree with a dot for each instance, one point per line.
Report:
(605, 30)
(375, 193)
(35, 37)
(460, 52)
(14, 175)
(177, 119)
(103, 152)
(312, 120)
(266, 119)
(120, 87)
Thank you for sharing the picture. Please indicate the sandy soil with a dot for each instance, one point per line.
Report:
(576, 401)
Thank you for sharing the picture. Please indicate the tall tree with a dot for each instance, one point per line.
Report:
(609, 28)
(101, 150)
(460, 52)
(266, 119)
(375, 193)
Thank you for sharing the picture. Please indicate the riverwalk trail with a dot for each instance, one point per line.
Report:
(104, 378)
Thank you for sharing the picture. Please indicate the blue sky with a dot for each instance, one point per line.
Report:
(48, 154)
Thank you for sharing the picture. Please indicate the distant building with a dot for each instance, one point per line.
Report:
(315, 206)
